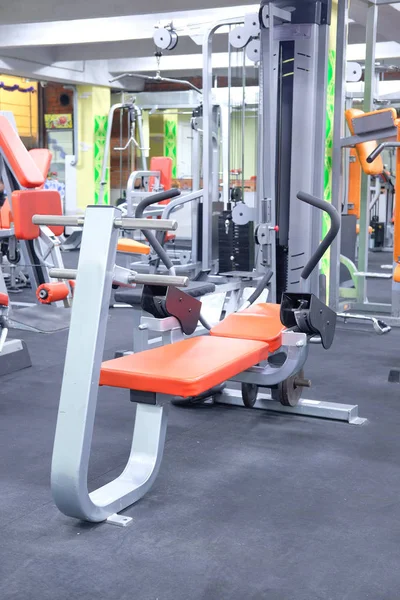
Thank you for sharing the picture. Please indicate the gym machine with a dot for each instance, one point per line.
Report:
(371, 133)
(14, 354)
(238, 349)
(29, 248)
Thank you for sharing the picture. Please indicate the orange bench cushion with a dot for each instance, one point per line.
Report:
(5, 215)
(26, 203)
(17, 156)
(42, 159)
(364, 149)
(187, 368)
(163, 164)
(259, 322)
(132, 246)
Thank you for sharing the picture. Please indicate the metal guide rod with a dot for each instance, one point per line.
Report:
(156, 224)
(124, 223)
(63, 273)
(208, 139)
(66, 221)
(146, 279)
(153, 279)
(369, 89)
(338, 182)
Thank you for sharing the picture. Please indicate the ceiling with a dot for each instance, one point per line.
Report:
(39, 11)
(86, 40)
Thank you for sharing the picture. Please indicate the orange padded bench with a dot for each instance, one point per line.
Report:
(18, 158)
(364, 149)
(260, 322)
(185, 369)
(195, 365)
(129, 246)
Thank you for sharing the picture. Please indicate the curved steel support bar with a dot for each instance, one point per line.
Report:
(69, 486)
(269, 375)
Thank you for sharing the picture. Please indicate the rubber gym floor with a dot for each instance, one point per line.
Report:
(247, 505)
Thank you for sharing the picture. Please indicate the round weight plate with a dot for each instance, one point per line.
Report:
(249, 394)
(288, 393)
(253, 50)
(238, 37)
(165, 39)
(241, 214)
(237, 194)
(174, 40)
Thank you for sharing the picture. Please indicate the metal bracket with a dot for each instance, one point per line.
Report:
(279, 15)
(119, 520)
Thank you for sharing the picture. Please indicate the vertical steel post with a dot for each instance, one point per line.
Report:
(369, 89)
(207, 151)
(337, 156)
(268, 123)
(208, 142)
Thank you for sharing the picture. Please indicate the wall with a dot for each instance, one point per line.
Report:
(51, 99)
(93, 107)
(24, 106)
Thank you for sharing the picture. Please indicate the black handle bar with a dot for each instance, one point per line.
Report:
(154, 199)
(149, 235)
(261, 286)
(375, 153)
(330, 236)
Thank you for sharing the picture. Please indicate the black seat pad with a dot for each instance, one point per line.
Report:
(133, 296)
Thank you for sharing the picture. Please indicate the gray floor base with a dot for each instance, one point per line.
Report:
(308, 408)
(40, 318)
(248, 504)
(14, 357)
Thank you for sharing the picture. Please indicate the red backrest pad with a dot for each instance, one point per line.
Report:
(26, 203)
(17, 156)
(164, 165)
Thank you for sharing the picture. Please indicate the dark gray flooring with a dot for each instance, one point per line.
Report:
(247, 506)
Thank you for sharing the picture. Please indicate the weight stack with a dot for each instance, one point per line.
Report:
(235, 244)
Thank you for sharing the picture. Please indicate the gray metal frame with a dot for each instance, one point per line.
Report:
(210, 151)
(79, 392)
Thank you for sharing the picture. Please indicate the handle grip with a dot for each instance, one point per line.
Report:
(261, 286)
(151, 238)
(154, 199)
(375, 153)
(330, 236)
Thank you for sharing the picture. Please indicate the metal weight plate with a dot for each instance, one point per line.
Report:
(288, 393)
(242, 214)
(353, 71)
(238, 37)
(165, 38)
(249, 394)
(253, 50)
(237, 194)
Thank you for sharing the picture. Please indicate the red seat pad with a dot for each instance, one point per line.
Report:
(22, 164)
(185, 369)
(259, 322)
(42, 159)
(27, 203)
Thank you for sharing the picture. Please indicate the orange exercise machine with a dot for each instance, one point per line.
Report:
(367, 132)
(241, 349)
